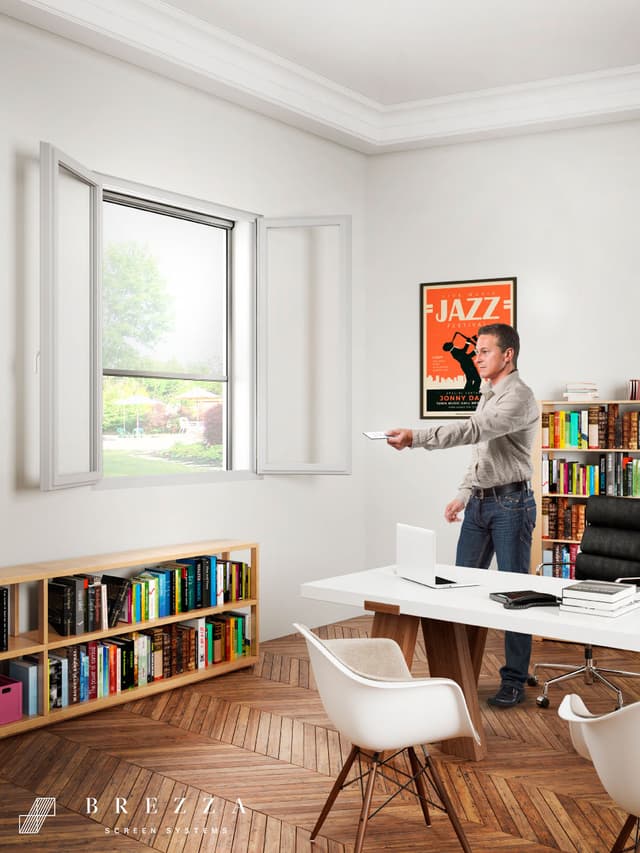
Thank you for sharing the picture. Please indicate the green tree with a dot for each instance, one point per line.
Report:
(136, 304)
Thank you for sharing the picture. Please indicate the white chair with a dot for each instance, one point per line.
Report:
(611, 742)
(371, 698)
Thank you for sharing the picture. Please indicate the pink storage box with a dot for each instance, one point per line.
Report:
(10, 700)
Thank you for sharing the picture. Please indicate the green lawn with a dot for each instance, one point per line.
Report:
(120, 463)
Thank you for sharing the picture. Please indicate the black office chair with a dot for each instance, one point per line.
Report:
(609, 551)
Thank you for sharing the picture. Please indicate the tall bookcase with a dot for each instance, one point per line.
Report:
(28, 586)
(597, 457)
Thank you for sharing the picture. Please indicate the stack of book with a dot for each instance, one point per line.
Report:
(600, 598)
(581, 391)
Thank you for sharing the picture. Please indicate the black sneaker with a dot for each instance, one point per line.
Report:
(507, 697)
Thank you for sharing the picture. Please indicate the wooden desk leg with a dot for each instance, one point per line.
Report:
(389, 622)
(455, 651)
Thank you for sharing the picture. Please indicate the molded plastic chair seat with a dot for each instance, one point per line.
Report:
(371, 698)
(611, 742)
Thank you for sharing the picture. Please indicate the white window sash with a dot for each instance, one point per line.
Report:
(304, 346)
(70, 351)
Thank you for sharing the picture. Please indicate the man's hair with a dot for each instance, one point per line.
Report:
(506, 336)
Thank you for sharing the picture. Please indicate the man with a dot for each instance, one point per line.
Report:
(500, 510)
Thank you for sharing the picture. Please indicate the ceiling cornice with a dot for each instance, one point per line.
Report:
(158, 37)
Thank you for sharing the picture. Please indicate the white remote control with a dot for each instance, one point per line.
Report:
(378, 434)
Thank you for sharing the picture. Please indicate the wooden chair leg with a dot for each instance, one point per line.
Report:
(625, 832)
(446, 802)
(417, 771)
(333, 793)
(366, 804)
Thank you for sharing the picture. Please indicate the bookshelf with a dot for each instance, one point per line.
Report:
(28, 594)
(595, 450)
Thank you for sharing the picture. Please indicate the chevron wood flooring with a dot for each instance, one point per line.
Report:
(243, 763)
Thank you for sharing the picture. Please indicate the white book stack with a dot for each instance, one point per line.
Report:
(600, 598)
(581, 391)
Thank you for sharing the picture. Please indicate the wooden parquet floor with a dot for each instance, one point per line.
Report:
(243, 763)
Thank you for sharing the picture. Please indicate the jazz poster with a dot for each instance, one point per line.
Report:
(451, 313)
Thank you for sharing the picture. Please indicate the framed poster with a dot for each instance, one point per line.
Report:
(450, 314)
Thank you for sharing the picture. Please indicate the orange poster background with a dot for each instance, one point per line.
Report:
(451, 310)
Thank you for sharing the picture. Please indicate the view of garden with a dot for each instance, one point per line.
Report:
(163, 345)
(155, 426)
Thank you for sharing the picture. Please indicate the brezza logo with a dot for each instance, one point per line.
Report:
(151, 806)
(31, 823)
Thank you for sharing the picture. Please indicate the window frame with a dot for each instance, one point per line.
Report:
(248, 376)
(52, 160)
(268, 462)
(188, 214)
(241, 297)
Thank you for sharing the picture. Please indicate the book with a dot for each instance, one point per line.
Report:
(599, 591)
(597, 605)
(55, 682)
(64, 676)
(151, 583)
(60, 607)
(594, 611)
(92, 653)
(199, 624)
(4, 618)
(78, 586)
(26, 671)
(117, 588)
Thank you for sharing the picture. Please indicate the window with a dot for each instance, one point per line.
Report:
(165, 329)
(157, 356)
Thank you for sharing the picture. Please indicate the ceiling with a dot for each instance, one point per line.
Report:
(394, 51)
(378, 75)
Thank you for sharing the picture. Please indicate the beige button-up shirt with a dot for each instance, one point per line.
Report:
(502, 431)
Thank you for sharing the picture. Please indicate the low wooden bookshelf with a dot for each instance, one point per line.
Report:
(28, 584)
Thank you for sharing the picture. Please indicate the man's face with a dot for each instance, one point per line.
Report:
(491, 362)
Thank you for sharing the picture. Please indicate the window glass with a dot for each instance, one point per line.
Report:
(164, 309)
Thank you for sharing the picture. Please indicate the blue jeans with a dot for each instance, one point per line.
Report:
(502, 526)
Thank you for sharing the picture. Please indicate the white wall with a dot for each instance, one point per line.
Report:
(558, 210)
(124, 121)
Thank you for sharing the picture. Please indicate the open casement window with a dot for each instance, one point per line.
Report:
(71, 201)
(304, 346)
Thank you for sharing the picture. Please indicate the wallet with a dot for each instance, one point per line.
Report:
(520, 599)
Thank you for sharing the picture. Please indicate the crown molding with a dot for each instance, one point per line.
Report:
(160, 38)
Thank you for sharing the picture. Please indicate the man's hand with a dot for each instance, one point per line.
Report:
(400, 438)
(452, 510)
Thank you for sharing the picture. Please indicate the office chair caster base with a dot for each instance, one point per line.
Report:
(542, 701)
(532, 681)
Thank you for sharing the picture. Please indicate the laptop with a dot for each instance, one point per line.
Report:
(416, 558)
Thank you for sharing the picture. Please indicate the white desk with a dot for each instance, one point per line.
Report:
(455, 621)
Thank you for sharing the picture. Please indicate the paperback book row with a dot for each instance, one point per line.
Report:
(614, 474)
(101, 668)
(560, 519)
(595, 427)
(85, 602)
(600, 598)
(559, 561)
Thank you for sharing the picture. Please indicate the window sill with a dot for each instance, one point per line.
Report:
(175, 480)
